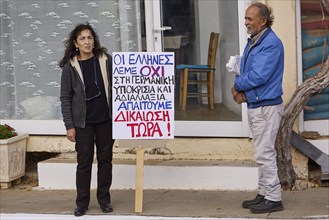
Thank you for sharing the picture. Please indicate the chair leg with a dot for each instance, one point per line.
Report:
(185, 76)
(211, 90)
(181, 84)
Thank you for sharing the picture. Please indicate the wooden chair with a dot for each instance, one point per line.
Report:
(209, 69)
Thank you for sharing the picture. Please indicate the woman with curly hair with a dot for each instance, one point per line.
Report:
(86, 107)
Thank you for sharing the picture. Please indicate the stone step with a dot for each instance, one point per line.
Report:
(58, 173)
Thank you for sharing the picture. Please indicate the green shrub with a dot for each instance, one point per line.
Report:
(7, 131)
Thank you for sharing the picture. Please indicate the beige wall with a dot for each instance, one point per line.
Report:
(285, 27)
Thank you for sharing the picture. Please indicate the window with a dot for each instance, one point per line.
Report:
(32, 42)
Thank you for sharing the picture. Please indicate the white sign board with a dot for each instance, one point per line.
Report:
(143, 95)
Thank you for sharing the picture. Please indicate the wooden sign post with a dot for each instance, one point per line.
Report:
(139, 180)
(140, 146)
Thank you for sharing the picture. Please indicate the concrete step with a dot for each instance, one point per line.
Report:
(58, 173)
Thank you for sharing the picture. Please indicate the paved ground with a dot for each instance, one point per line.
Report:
(102, 217)
(305, 204)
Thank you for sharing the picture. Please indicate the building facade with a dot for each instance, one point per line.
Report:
(32, 42)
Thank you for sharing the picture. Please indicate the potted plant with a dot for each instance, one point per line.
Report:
(12, 155)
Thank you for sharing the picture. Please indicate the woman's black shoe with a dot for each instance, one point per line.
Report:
(80, 211)
(106, 208)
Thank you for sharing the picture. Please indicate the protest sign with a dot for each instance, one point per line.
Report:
(143, 95)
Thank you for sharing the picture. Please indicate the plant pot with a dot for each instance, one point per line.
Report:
(12, 159)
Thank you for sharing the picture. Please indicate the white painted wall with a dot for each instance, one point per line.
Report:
(221, 17)
(207, 21)
(229, 45)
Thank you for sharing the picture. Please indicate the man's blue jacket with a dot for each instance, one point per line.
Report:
(261, 71)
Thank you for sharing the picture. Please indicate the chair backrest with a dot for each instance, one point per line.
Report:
(212, 49)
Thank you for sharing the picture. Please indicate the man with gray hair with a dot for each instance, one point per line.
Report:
(260, 85)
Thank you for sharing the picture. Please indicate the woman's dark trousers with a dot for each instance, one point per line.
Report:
(101, 136)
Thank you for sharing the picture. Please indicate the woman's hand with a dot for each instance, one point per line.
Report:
(70, 134)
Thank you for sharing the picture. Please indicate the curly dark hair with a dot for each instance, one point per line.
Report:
(70, 49)
(265, 12)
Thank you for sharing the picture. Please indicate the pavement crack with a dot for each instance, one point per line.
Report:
(157, 198)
